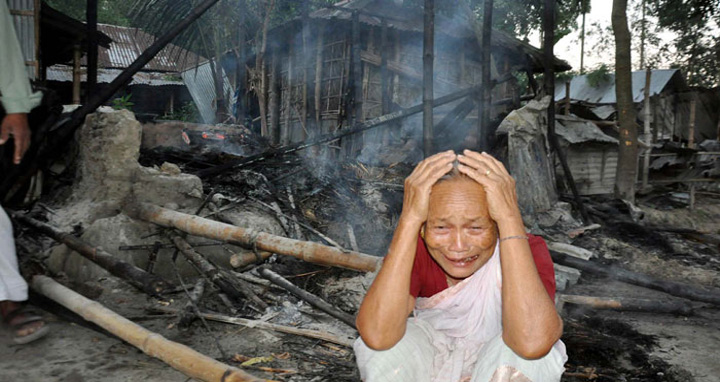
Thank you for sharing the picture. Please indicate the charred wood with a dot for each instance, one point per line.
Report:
(229, 284)
(187, 316)
(146, 282)
(630, 304)
(307, 296)
(620, 274)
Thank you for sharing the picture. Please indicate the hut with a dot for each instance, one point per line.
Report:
(671, 103)
(361, 59)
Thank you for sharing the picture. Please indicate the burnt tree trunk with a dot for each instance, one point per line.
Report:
(628, 150)
(428, 61)
(260, 68)
(240, 71)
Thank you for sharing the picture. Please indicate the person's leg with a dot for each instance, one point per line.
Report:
(410, 360)
(498, 363)
(13, 288)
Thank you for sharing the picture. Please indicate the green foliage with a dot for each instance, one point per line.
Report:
(599, 76)
(123, 102)
(112, 12)
(188, 112)
(563, 77)
(521, 18)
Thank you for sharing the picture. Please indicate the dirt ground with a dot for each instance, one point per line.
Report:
(602, 345)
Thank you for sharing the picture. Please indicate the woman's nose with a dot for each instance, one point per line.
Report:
(459, 242)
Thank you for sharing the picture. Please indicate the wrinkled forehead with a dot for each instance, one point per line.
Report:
(458, 197)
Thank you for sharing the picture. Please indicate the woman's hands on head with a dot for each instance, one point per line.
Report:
(418, 185)
(494, 177)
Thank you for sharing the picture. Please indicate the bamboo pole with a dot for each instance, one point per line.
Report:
(177, 356)
(257, 324)
(691, 124)
(146, 282)
(304, 250)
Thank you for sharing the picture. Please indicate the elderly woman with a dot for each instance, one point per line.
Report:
(479, 288)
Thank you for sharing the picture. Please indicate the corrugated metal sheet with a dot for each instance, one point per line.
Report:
(581, 90)
(201, 85)
(129, 43)
(26, 30)
(575, 130)
(64, 73)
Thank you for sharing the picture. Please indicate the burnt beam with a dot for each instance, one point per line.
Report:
(92, 56)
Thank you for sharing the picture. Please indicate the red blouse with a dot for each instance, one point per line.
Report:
(428, 278)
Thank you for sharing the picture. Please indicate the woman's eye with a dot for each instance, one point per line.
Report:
(440, 227)
(475, 227)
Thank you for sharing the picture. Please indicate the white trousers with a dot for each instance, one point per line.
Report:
(12, 286)
(411, 360)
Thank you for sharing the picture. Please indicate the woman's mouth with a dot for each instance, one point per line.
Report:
(463, 262)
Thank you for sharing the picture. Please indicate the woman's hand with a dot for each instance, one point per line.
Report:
(499, 185)
(418, 185)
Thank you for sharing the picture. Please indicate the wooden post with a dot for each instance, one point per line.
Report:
(357, 90)
(648, 137)
(384, 72)
(549, 62)
(274, 102)
(691, 124)
(77, 75)
(428, 71)
(320, 44)
(692, 196)
(177, 356)
(486, 104)
(582, 39)
(240, 71)
(308, 114)
(286, 130)
(92, 55)
(567, 98)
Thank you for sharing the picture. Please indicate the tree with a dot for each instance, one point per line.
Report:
(697, 46)
(628, 149)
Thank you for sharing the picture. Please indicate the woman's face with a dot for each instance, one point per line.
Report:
(459, 233)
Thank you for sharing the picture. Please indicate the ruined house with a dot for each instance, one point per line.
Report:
(671, 103)
(311, 78)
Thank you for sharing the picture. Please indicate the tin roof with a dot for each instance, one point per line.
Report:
(201, 85)
(64, 73)
(129, 43)
(604, 93)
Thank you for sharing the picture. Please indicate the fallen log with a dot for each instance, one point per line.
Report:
(187, 316)
(229, 284)
(316, 334)
(304, 250)
(307, 296)
(629, 304)
(146, 282)
(178, 356)
(676, 289)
